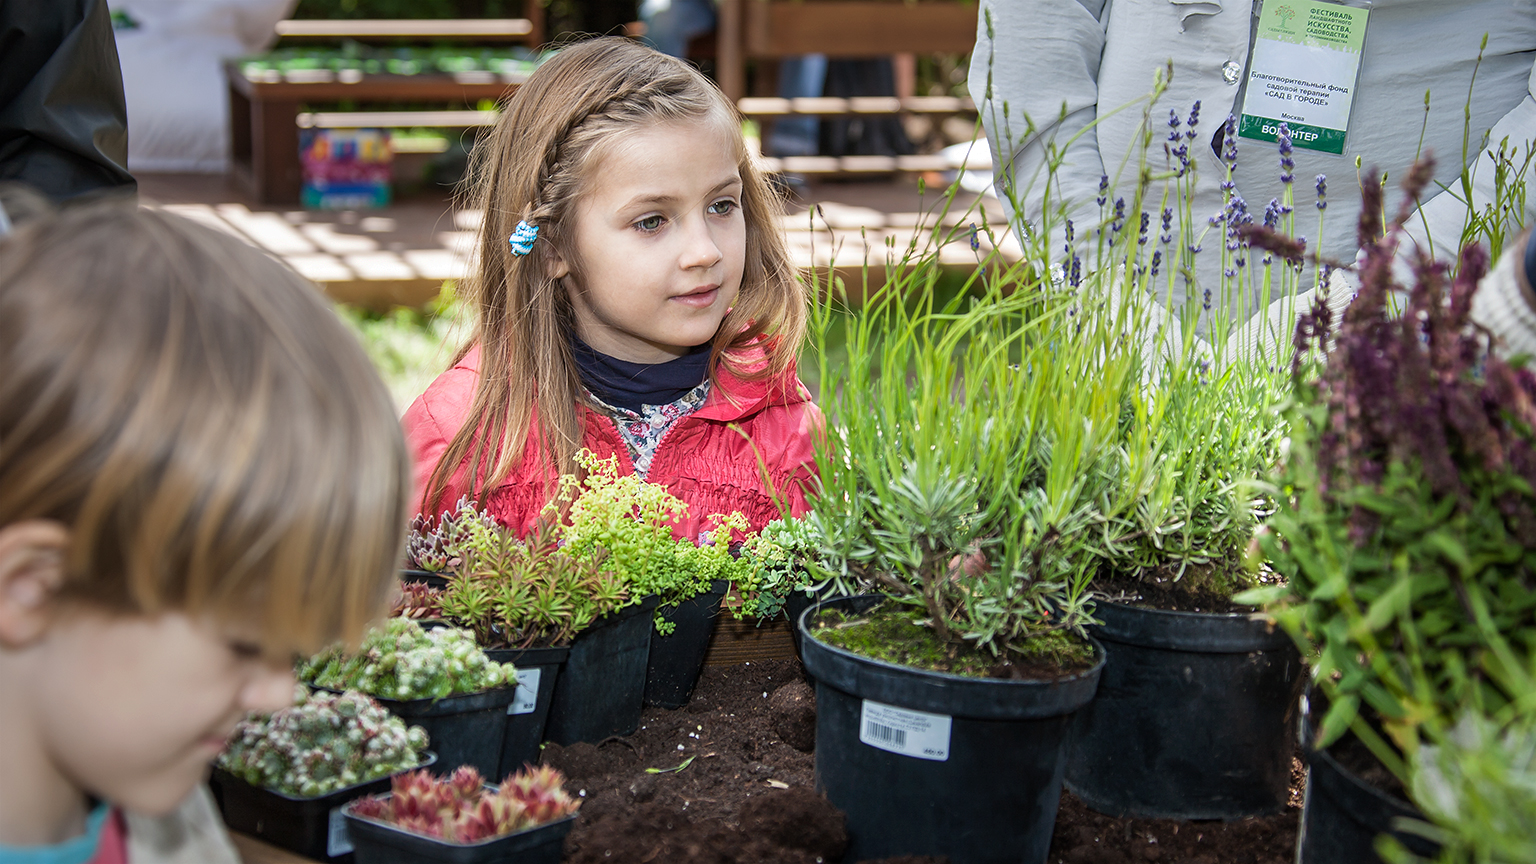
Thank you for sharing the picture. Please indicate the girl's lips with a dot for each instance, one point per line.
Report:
(698, 299)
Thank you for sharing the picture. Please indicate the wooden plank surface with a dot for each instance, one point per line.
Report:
(253, 851)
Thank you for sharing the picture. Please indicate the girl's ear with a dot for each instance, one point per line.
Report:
(31, 574)
(558, 268)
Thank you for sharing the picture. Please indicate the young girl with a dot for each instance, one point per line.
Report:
(633, 297)
(200, 477)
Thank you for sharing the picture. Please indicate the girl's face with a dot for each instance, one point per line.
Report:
(133, 708)
(662, 242)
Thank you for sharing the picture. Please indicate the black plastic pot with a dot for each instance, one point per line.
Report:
(794, 606)
(312, 827)
(463, 730)
(1342, 815)
(675, 660)
(602, 688)
(1193, 719)
(378, 843)
(538, 669)
(985, 792)
(432, 580)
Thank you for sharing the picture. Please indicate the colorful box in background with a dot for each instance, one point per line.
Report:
(345, 169)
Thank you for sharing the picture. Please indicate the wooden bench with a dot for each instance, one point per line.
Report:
(773, 29)
(264, 107)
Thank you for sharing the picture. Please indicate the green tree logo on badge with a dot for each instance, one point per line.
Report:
(1285, 14)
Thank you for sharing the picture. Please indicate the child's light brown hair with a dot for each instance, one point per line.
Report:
(194, 414)
(547, 147)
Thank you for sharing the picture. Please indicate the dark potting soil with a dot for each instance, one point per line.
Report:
(744, 730)
(1168, 596)
(1356, 758)
(887, 632)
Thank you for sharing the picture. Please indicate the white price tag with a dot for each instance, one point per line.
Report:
(910, 733)
(527, 697)
(337, 841)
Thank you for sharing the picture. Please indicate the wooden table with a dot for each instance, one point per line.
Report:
(264, 113)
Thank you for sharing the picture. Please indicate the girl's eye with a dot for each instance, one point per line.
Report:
(649, 223)
(722, 207)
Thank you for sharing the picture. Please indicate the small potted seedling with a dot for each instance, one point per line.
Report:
(284, 777)
(461, 819)
(439, 679)
(625, 526)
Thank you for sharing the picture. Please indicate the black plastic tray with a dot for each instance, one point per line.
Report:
(312, 827)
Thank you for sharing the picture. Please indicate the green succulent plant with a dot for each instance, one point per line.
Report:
(401, 661)
(322, 743)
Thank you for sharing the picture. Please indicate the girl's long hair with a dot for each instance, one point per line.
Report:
(534, 167)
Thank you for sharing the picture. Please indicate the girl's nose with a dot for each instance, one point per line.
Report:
(268, 689)
(701, 249)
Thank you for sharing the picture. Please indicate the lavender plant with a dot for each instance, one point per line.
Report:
(401, 661)
(322, 743)
(1407, 525)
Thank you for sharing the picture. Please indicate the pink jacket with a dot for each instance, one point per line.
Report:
(704, 459)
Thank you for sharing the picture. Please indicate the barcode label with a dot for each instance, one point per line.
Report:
(909, 733)
(885, 734)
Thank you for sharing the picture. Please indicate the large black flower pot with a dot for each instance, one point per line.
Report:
(312, 827)
(1193, 718)
(538, 670)
(1342, 815)
(601, 691)
(677, 658)
(925, 763)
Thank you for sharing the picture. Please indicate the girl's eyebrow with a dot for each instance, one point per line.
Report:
(672, 199)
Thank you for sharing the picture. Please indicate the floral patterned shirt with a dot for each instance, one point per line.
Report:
(643, 430)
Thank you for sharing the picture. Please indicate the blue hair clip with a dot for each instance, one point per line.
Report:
(522, 239)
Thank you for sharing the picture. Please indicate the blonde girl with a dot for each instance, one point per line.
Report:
(201, 476)
(633, 297)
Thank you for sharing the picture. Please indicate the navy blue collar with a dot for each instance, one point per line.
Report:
(631, 385)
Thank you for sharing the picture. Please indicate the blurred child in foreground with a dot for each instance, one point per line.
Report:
(201, 476)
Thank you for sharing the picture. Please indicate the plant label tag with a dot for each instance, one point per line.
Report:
(337, 840)
(1303, 70)
(909, 733)
(527, 697)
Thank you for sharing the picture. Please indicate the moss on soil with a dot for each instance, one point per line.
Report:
(889, 632)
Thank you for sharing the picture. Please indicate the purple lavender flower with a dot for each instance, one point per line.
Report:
(1103, 189)
(1157, 259)
(975, 242)
(1207, 302)
(1194, 119)
(1069, 235)
(1146, 222)
(1272, 214)
(1287, 164)
(1229, 142)
(1322, 191)
(1174, 135)
(1166, 236)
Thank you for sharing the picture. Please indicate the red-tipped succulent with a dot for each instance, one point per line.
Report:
(462, 809)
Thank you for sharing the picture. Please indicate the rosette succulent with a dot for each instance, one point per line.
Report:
(462, 809)
(402, 661)
(323, 743)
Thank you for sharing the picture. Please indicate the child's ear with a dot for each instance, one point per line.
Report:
(31, 573)
(558, 268)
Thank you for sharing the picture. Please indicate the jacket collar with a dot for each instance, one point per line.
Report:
(734, 398)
